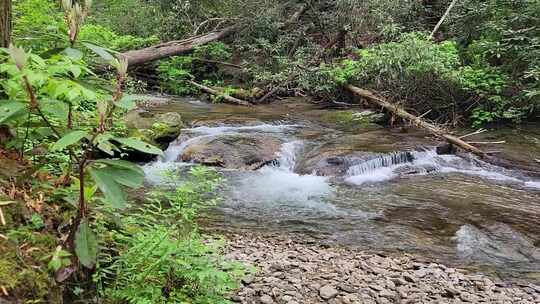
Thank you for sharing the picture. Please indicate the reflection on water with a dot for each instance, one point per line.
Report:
(459, 210)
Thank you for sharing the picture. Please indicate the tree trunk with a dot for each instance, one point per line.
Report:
(370, 96)
(5, 23)
(174, 48)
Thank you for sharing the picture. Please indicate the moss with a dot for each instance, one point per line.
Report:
(23, 268)
(352, 120)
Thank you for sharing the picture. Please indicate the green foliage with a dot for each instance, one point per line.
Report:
(51, 105)
(175, 72)
(160, 256)
(86, 246)
(39, 25)
(502, 36)
(24, 282)
(137, 18)
(213, 51)
(398, 61)
(155, 267)
(105, 37)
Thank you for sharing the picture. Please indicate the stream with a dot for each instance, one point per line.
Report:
(367, 187)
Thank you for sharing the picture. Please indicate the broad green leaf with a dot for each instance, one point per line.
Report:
(86, 245)
(125, 177)
(56, 108)
(75, 70)
(109, 187)
(90, 191)
(10, 109)
(103, 143)
(139, 145)
(107, 147)
(68, 140)
(73, 53)
(101, 52)
(123, 172)
(123, 164)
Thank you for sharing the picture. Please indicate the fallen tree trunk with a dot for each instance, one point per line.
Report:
(174, 48)
(225, 97)
(433, 129)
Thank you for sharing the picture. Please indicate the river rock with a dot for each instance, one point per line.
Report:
(233, 151)
(325, 269)
(158, 128)
(266, 299)
(328, 292)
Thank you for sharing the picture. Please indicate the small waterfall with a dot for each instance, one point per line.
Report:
(389, 166)
(383, 160)
(287, 155)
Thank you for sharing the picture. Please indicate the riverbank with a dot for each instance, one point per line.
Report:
(291, 271)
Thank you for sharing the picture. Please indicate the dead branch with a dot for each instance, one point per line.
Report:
(398, 111)
(225, 97)
(452, 4)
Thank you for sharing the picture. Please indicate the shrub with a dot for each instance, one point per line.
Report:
(160, 257)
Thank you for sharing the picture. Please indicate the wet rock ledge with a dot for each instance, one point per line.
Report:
(292, 272)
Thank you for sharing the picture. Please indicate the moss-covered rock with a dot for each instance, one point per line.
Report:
(157, 128)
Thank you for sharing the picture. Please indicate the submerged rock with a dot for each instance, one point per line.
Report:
(233, 151)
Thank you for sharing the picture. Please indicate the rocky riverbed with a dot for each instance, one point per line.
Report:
(293, 271)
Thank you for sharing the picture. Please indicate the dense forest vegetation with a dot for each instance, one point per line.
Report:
(73, 224)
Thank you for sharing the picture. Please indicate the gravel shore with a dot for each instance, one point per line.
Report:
(292, 272)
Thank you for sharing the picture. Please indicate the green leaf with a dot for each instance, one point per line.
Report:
(139, 145)
(123, 172)
(101, 52)
(109, 187)
(122, 164)
(68, 140)
(55, 108)
(10, 109)
(125, 177)
(73, 53)
(103, 143)
(86, 245)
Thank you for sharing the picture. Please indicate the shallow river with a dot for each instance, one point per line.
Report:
(390, 191)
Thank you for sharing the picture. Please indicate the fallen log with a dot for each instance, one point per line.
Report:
(174, 48)
(225, 97)
(397, 110)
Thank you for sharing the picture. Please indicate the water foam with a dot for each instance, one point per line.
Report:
(279, 182)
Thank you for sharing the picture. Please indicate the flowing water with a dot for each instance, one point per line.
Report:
(373, 188)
